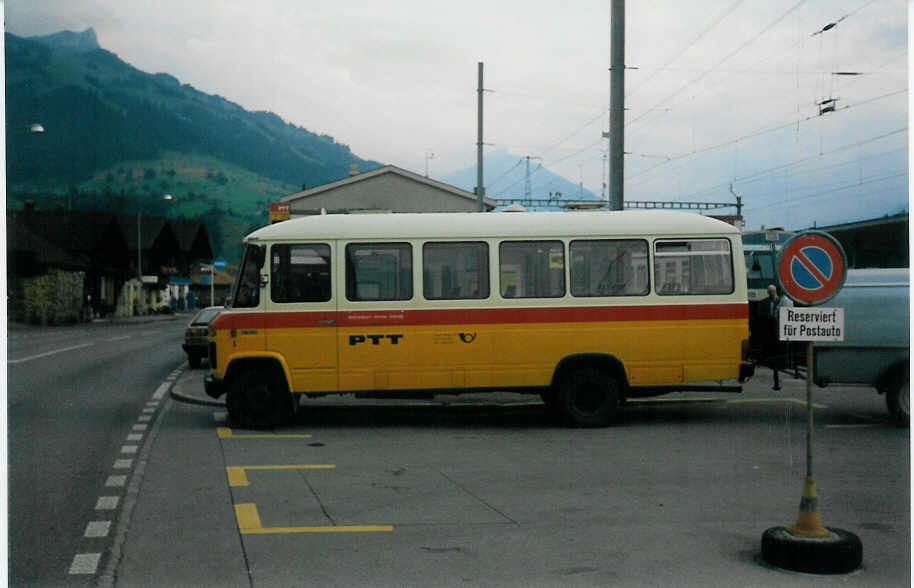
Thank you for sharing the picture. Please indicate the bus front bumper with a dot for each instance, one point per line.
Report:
(213, 387)
(746, 371)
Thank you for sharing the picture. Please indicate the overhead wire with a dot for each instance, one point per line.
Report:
(502, 176)
(824, 192)
(721, 61)
(761, 132)
(762, 174)
(706, 89)
(677, 54)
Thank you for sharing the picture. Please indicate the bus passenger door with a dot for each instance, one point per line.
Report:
(301, 314)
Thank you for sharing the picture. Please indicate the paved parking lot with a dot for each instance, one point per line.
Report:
(469, 491)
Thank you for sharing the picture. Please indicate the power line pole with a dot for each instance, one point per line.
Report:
(617, 106)
(527, 188)
(480, 189)
(739, 207)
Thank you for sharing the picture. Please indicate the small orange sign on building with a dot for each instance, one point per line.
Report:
(280, 211)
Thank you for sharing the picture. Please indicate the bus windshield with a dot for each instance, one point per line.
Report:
(247, 284)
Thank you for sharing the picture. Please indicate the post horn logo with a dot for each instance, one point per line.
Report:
(467, 337)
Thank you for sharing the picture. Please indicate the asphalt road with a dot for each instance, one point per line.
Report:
(73, 395)
(468, 490)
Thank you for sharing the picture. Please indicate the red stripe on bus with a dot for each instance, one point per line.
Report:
(567, 314)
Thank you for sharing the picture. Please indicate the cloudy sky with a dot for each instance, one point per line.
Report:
(725, 91)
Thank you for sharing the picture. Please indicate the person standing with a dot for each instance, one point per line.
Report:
(771, 337)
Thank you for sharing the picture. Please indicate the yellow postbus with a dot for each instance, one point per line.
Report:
(584, 308)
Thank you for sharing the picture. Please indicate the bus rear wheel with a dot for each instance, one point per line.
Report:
(589, 397)
(258, 399)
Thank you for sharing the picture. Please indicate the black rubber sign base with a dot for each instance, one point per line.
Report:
(840, 553)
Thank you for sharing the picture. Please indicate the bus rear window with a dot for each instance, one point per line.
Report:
(379, 271)
(698, 266)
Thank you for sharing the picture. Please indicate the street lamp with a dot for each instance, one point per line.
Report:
(139, 240)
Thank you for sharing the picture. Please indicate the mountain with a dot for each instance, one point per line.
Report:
(119, 137)
(506, 175)
(87, 96)
(70, 41)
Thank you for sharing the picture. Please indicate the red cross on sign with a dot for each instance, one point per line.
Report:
(812, 267)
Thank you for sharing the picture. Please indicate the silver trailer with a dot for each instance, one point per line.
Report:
(876, 347)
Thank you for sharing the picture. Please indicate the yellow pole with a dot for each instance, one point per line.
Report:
(808, 522)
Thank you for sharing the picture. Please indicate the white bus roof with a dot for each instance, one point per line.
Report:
(474, 225)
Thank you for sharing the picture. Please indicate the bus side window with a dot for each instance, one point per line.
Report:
(455, 271)
(609, 267)
(696, 266)
(379, 271)
(300, 273)
(532, 269)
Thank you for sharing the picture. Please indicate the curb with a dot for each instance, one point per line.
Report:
(189, 391)
(180, 392)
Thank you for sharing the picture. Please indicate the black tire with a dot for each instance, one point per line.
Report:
(589, 397)
(840, 555)
(549, 398)
(194, 360)
(898, 400)
(258, 398)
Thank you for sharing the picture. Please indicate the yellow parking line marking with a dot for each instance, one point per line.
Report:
(760, 400)
(237, 475)
(249, 524)
(226, 433)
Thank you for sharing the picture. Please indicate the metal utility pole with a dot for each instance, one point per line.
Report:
(739, 207)
(527, 187)
(480, 189)
(617, 106)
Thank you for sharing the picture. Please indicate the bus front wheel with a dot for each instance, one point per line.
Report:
(589, 397)
(258, 399)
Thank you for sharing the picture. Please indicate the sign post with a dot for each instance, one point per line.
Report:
(218, 264)
(811, 269)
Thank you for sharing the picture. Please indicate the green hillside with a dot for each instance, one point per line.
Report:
(231, 200)
(117, 138)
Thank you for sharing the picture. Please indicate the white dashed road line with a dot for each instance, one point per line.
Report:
(107, 502)
(97, 529)
(108, 505)
(85, 563)
(160, 392)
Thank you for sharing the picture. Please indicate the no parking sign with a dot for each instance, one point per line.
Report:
(812, 267)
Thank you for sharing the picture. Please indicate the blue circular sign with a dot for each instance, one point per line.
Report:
(811, 267)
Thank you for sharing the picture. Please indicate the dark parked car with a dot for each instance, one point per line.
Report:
(196, 340)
